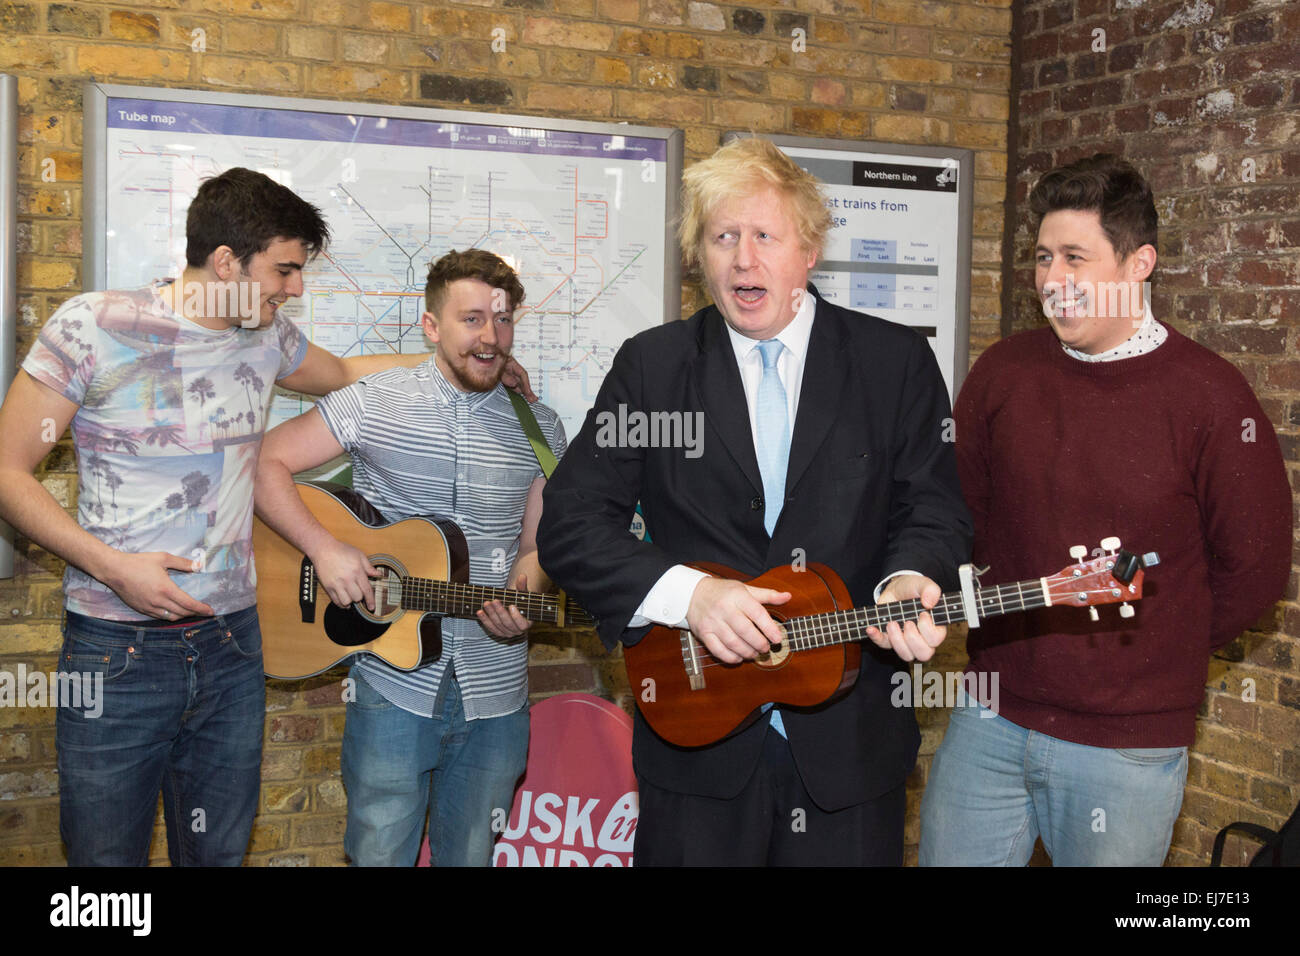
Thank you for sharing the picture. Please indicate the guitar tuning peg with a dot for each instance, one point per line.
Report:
(1079, 552)
(1110, 544)
(1126, 610)
(1093, 615)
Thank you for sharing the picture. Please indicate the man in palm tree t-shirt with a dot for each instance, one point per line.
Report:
(167, 391)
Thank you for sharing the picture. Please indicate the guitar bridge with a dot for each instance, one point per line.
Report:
(691, 659)
(307, 591)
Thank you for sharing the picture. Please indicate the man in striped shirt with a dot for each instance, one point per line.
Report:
(441, 438)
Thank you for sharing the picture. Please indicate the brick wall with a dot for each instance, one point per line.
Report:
(1201, 95)
(895, 70)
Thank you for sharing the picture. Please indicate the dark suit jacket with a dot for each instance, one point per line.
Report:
(871, 488)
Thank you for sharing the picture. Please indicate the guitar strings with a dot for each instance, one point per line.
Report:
(534, 605)
(470, 597)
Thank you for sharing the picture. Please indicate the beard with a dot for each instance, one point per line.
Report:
(464, 374)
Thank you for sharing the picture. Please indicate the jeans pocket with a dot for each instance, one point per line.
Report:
(1153, 755)
(246, 640)
(365, 697)
(81, 655)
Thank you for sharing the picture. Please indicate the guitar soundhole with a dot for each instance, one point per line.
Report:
(388, 592)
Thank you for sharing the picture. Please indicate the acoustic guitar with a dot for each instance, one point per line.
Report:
(426, 576)
(690, 699)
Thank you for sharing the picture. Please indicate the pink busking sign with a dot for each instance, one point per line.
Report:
(577, 803)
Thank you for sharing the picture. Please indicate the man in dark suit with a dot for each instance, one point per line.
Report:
(863, 482)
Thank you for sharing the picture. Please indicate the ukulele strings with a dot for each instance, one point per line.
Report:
(838, 627)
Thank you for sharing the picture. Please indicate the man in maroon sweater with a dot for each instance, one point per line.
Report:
(1108, 423)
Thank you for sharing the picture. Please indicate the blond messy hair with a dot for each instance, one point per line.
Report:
(743, 167)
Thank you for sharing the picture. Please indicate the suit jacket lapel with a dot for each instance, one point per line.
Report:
(722, 395)
(824, 372)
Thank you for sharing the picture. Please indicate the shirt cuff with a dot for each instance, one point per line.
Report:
(875, 595)
(669, 599)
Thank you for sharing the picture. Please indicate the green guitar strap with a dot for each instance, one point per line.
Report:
(545, 457)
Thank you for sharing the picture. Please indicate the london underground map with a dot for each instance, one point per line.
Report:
(581, 216)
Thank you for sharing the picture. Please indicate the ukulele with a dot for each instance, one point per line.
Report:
(690, 699)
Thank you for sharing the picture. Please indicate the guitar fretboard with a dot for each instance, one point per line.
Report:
(465, 600)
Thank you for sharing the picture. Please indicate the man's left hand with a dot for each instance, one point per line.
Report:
(915, 640)
(501, 621)
(514, 377)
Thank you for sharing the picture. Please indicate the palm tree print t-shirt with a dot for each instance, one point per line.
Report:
(171, 420)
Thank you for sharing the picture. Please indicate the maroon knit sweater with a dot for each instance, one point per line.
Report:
(1171, 452)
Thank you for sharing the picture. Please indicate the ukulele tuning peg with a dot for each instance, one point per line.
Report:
(1110, 544)
(1078, 552)
(1093, 615)
(1126, 610)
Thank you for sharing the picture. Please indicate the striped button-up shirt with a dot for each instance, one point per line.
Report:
(422, 447)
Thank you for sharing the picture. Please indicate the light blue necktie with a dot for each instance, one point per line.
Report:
(772, 423)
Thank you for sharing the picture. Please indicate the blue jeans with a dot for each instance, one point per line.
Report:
(995, 786)
(393, 758)
(182, 711)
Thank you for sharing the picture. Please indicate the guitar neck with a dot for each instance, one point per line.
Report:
(465, 600)
(840, 627)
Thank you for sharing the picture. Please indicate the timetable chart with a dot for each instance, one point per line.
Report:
(883, 277)
(879, 277)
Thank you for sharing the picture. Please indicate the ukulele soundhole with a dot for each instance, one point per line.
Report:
(774, 658)
(388, 590)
